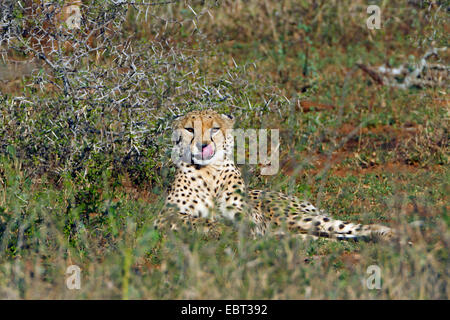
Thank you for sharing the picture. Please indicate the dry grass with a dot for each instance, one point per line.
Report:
(84, 149)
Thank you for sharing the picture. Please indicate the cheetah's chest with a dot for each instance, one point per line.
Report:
(193, 194)
(207, 192)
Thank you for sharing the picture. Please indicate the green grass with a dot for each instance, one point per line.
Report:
(81, 181)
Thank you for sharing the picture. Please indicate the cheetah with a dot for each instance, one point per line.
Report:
(209, 188)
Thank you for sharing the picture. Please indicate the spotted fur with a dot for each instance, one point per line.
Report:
(209, 189)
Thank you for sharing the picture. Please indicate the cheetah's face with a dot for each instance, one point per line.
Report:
(201, 135)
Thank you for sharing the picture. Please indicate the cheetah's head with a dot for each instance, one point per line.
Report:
(200, 136)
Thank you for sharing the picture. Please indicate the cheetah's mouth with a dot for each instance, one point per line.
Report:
(207, 156)
(207, 152)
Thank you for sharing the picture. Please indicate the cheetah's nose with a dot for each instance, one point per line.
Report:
(201, 146)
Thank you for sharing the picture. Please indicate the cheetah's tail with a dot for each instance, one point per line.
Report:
(325, 226)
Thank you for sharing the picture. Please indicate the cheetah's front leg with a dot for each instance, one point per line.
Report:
(171, 218)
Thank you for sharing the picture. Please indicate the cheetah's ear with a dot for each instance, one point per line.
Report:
(176, 120)
(228, 118)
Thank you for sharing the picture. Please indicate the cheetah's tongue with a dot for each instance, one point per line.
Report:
(207, 151)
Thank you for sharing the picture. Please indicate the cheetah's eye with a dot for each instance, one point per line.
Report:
(191, 130)
(214, 130)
